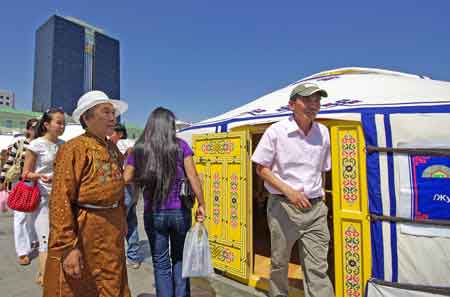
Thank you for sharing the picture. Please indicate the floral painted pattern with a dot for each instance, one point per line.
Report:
(234, 222)
(349, 165)
(222, 254)
(216, 198)
(352, 262)
(218, 147)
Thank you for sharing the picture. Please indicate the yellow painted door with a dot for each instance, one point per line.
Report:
(350, 210)
(222, 161)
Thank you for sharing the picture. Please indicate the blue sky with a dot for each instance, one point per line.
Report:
(202, 58)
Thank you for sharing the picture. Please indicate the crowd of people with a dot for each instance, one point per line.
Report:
(88, 188)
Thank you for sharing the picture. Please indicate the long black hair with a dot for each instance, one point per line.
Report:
(155, 155)
(47, 117)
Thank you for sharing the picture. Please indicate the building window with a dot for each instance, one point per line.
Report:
(8, 123)
(22, 124)
(7, 103)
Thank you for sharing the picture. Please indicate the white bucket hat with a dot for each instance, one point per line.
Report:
(93, 98)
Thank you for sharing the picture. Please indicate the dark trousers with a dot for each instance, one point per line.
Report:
(132, 222)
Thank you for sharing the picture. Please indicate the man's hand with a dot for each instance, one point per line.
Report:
(200, 214)
(73, 264)
(299, 199)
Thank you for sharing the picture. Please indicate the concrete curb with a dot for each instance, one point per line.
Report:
(224, 287)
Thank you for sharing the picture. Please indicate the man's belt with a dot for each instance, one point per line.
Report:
(316, 200)
(311, 200)
(93, 206)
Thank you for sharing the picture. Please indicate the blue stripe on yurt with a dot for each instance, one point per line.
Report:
(444, 108)
(373, 164)
(376, 231)
(394, 109)
(392, 198)
(375, 205)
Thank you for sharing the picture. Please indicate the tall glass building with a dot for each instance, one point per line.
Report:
(71, 58)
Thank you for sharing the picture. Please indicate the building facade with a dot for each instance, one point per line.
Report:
(7, 99)
(71, 58)
(14, 121)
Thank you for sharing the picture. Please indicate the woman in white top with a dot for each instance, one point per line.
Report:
(39, 167)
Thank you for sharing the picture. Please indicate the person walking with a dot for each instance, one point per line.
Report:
(157, 165)
(291, 157)
(86, 254)
(24, 232)
(134, 260)
(3, 192)
(38, 167)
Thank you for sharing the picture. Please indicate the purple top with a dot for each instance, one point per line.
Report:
(173, 201)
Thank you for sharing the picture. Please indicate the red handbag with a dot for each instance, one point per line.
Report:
(24, 197)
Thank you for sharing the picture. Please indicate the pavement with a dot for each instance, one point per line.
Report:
(18, 281)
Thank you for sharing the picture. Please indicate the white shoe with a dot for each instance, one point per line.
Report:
(134, 265)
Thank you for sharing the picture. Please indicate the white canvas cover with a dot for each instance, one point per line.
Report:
(383, 290)
(72, 131)
(350, 91)
(5, 141)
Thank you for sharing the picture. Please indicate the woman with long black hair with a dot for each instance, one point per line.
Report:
(158, 164)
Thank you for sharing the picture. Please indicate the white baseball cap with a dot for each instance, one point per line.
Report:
(93, 98)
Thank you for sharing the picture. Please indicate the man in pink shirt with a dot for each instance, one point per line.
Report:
(291, 157)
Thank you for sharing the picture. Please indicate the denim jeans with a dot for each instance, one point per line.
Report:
(166, 229)
(132, 234)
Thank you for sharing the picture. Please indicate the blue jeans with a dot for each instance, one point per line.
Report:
(132, 234)
(162, 227)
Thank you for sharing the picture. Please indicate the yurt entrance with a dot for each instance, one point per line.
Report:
(261, 235)
(236, 214)
(348, 223)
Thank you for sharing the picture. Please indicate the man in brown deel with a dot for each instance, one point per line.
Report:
(87, 215)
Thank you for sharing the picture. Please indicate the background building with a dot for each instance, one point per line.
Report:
(133, 131)
(71, 58)
(7, 99)
(14, 120)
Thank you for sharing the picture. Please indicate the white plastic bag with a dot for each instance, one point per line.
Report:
(196, 255)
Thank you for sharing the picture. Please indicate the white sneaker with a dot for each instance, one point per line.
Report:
(134, 265)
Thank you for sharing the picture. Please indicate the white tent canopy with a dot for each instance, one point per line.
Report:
(349, 91)
(5, 141)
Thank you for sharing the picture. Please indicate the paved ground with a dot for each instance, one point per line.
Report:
(18, 281)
